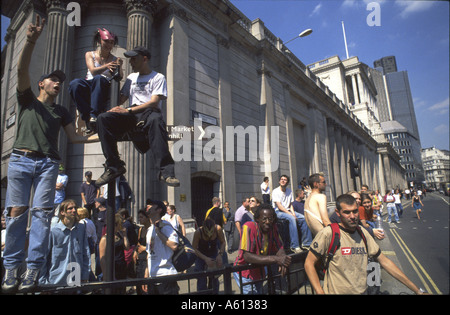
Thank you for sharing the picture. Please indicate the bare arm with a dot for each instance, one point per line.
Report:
(310, 269)
(279, 258)
(33, 33)
(153, 103)
(395, 272)
(181, 223)
(76, 138)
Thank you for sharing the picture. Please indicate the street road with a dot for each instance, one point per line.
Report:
(422, 246)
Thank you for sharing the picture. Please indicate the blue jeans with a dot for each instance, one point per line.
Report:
(391, 209)
(251, 289)
(293, 232)
(399, 209)
(23, 174)
(90, 96)
(200, 265)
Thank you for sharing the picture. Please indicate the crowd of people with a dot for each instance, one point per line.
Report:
(65, 243)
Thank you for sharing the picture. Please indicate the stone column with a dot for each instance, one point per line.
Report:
(345, 171)
(342, 169)
(175, 55)
(334, 158)
(58, 53)
(228, 179)
(355, 90)
(266, 100)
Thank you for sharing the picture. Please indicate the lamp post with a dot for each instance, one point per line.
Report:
(302, 34)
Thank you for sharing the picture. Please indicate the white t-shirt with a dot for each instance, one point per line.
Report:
(159, 255)
(140, 88)
(285, 198)
(265, 191)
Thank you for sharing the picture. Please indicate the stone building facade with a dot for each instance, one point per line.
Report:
(251, 94)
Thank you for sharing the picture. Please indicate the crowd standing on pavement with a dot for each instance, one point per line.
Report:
(270, 225)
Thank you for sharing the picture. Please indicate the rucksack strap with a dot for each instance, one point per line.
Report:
(334, 244)
(361, 233)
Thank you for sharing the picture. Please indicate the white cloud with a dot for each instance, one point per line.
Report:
(441, 107)
(316, 10)
(441, 129)
(410, 7)
(357, 3)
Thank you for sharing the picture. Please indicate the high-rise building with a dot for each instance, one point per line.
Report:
(389, 64)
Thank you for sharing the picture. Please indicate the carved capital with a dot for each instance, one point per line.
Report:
(148, 6)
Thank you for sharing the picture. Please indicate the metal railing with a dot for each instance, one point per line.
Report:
(294, 282)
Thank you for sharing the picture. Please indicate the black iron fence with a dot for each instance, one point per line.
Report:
(273, 283)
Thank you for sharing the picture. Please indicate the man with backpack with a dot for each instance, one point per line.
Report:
(345, 249)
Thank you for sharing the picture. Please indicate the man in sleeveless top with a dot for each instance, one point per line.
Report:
(91, 94)
(316, 212)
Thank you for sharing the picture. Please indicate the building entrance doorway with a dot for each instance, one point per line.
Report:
(202, 190)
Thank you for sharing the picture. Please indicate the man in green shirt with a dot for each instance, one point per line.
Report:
(34, 164)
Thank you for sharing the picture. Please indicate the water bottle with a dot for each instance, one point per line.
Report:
(379, 224)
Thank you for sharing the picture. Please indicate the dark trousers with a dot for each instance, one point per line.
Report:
(90, 96)
(113, 126)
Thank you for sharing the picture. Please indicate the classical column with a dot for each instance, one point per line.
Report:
(266, 100)
(140, 20)
(58, 53)
(141, 176)
(355, 90)
(334, 159)
(228, 179)
(175, 55)
(346, 156)
(342, 168)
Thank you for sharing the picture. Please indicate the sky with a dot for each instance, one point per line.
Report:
(415, 32)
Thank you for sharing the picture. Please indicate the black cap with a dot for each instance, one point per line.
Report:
(57, 73)
(88, 173)
(139, 50)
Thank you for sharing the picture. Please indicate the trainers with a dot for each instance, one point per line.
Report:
(110, 174)
(93, 124)
(171, 181)
(10, 281)
(296, 250)
(30, 280)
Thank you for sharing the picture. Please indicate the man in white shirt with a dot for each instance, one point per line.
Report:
(162, 241)
(265, 190)
(145, 89)
(282, 199)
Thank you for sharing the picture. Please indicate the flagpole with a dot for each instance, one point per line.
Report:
(345, 39)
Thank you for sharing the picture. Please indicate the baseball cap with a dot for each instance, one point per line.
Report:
(139, 50)
(57, 73)
(88, 173)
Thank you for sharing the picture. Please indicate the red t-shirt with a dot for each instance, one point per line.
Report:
(365, 215)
